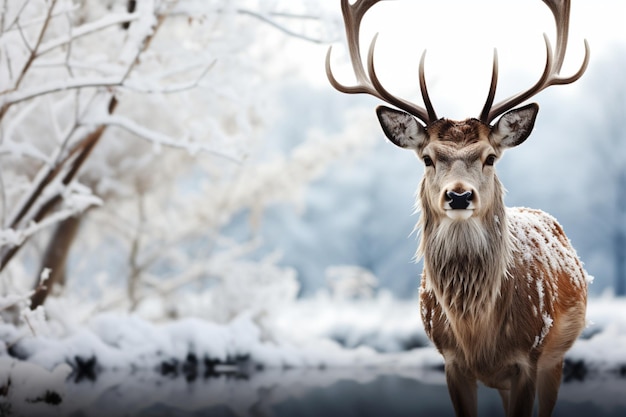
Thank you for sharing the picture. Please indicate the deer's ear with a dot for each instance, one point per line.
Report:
(514, 127)
(401, 128)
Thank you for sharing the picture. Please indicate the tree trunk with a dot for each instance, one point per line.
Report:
(55, 259)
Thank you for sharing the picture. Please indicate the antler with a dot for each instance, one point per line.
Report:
(551, 73)
(367, 82)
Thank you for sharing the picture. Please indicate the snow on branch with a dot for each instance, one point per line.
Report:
(159, 139)
(34, 48)
(149, 88)
(37, 21)
(271, 20)
(75, 204)
(61, 85)
(88, 28)
(10, 300)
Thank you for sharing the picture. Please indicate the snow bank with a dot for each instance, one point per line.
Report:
(602, 348)
(319, 332)
(380, 335)
(119, 341)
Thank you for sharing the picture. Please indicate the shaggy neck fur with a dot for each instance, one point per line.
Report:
(465, 261)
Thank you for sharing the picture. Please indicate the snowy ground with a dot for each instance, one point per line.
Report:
(302, 345)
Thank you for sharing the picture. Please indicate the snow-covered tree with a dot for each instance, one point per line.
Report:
(127, 129)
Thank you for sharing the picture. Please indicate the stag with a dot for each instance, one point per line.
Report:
(503, 294)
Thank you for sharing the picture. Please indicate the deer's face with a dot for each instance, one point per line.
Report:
(459, 168)
(459, 176)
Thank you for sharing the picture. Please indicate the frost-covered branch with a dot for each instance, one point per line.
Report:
(34, 50)
(87, 29)
(34, 215)
(271, 20)
(32, 209)
(76, 201)
(159, 139)
(170, 88)
(61, 85)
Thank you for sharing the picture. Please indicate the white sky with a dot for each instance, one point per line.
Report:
(460, 36)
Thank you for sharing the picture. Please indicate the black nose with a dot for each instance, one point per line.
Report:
(459, 201)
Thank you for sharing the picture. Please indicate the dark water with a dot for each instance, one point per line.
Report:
(331, 393)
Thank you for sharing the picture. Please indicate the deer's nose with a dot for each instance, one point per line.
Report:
(459, 201)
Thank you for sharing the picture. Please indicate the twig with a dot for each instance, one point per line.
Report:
(17, 15)
(23, 36)
(8, 61)
(280, 27)
(83, 150)
(3, 196)
(88, 28)
(172, 88)
(68, 53)
(34, 49)
(3, 15)
(265, 19)
(135, 269)
(31, 57)
(55, 87)
(159, 138)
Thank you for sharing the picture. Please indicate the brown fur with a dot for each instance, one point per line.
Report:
(503, 294)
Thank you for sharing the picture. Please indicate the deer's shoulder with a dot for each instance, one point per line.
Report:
(539, 241)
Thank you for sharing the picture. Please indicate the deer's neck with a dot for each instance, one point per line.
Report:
(466, 261)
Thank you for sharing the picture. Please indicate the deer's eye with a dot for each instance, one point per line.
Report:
(491, 159)
(428, 161)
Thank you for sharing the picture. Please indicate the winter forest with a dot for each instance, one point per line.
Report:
(194, 221)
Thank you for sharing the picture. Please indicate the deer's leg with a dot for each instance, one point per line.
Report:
(548, 382)
(462, 388)
(522, 397)
(504, 395)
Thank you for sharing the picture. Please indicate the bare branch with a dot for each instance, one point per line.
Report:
(33, 55)
(88, 28)
(23, 36)
(37, 21)
(172, 88)
(17, 16)
(133, 259)
(8, 61)
(61, 85)
(265, 19)
(3, 15)
(3, 196)
(159, 138)
(34, 50)
(68, 53)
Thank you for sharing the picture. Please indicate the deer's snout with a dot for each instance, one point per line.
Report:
(459, 201)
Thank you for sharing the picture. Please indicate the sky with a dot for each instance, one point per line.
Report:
(460, 36)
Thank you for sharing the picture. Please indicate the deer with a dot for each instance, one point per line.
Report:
(503, 294)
